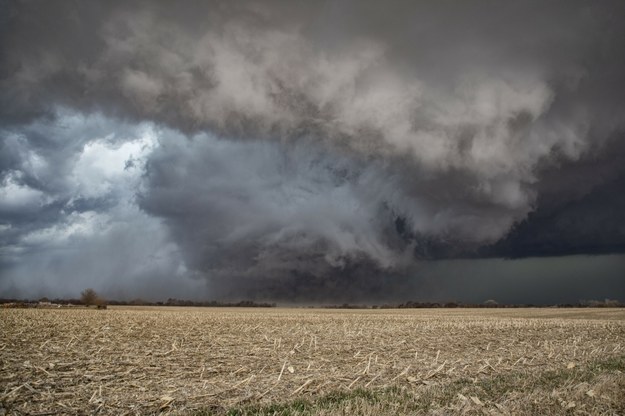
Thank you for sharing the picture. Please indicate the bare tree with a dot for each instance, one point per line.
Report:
(89, 297)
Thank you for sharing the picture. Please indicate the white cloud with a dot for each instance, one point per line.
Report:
(15, 196)
(104, 167)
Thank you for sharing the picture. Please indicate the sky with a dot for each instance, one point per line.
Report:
(313, 151)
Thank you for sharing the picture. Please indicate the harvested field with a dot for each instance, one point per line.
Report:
(310, 361)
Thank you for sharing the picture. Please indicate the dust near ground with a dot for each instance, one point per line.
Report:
(145, 360)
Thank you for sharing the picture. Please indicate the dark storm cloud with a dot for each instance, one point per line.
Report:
(540, 281)
(259, 219)
(594, 223)
(312, 148)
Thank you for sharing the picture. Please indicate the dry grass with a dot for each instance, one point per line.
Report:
(181, 360)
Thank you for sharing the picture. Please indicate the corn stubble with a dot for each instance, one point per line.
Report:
(311, 361)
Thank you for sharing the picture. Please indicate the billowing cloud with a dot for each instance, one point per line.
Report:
(69, 212)
(286, 150)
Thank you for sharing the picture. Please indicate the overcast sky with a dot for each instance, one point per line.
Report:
(313, 151)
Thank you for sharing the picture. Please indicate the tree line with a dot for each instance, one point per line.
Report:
(89, 297)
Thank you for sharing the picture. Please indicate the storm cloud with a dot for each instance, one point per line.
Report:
(303, 151)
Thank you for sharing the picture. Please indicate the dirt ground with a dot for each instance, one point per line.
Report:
(149, 360)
